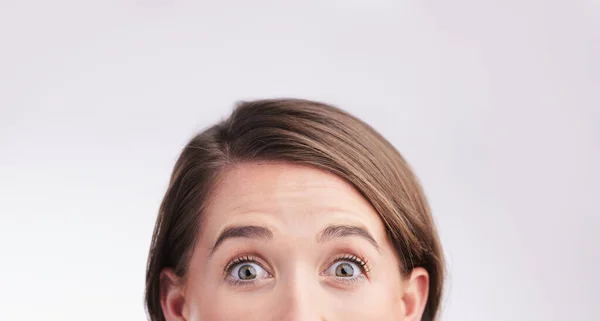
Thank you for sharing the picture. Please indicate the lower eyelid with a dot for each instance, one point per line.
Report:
(247, 285)
(352, 279)
(341, 281)
(241, 283)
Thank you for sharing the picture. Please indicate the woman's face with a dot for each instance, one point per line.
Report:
(288, 242)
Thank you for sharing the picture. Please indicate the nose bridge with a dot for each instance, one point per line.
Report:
(300, 297)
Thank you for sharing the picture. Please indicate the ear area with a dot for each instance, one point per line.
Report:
(172, 299)
(416, 291)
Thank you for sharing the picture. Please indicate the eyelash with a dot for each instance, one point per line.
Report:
(240, 283)
(238, 260)
(247, 258)
(360, 261)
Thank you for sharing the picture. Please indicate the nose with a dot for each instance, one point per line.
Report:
(300, 299)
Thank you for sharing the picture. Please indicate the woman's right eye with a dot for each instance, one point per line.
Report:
(247, 271)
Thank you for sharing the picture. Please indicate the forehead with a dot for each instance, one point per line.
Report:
(286, 192)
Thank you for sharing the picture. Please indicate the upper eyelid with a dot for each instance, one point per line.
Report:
(233, 262)
(245, 258)
(362, 262)
(238, 260)
(257, 259)
(350, 257)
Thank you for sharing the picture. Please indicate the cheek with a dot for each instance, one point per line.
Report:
(382, 301)
(383, 298)
(378, 302)
(209, 298)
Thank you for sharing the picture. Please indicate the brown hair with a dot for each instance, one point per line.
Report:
(301, 132)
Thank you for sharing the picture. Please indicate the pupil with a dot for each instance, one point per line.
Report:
(344, 269)
(247, 272)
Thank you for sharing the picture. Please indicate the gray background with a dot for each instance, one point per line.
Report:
(494, 103)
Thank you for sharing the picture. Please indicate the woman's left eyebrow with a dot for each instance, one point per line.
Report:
(261, 232)
(335, 231)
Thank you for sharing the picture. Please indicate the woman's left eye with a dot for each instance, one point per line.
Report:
(344, 269)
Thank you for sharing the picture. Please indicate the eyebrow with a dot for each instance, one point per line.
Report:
(335, 231)
(248, 231)
(261, 232)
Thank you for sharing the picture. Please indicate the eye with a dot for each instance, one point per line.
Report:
(344, 269)
(247, 271)
(347, 271)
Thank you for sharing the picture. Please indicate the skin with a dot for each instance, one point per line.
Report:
(296, 272)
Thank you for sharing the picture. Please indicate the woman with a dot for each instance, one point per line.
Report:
(293, 210)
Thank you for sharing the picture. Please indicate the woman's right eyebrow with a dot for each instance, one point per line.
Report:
(261, 232)
(246, 231)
